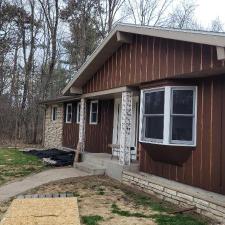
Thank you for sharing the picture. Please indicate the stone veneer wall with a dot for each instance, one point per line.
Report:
(53, 129)
(207, 203)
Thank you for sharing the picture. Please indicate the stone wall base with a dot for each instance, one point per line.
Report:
(207, 203)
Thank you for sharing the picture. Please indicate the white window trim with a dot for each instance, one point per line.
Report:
(78, 113)
(90, 122)
(167, 131)
(55, 113)
(151, 140)
(67, 107)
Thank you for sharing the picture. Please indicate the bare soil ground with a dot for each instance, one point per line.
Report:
(103, 201)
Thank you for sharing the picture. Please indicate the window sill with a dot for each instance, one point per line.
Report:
(169, 144)
(93, 123)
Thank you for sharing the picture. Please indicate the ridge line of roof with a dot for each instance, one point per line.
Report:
(144, 30)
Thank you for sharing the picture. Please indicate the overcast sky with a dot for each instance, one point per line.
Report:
(208, 10)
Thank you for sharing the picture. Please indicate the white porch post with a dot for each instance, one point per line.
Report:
(125, 136)
(82, 124)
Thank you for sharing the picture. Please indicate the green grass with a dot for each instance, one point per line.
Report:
(118, 211)
(92, 220)
(100, 191)
(160, 219)
(147, 201)
(176, 220)
(14, 164)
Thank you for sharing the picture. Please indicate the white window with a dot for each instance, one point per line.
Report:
(94, 112)
(168, 116)
(54, 113)
(78, 112)
(69, 113)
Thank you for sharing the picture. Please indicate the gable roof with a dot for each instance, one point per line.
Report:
(122, 33)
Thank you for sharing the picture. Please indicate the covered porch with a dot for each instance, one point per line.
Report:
(114, 133)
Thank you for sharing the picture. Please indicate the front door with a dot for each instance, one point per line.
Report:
(134, 125)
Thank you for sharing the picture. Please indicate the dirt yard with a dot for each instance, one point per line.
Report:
(103, 201)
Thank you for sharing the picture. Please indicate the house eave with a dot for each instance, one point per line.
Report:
(59, 100)
(123, 33)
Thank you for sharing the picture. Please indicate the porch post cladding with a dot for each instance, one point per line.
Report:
(82, 124)
(126, 120)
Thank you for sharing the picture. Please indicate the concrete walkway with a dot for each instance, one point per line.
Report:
(12, 189)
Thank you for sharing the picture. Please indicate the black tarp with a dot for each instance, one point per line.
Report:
(61, 158)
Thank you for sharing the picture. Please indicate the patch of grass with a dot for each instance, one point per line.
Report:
(76, 194)
(14, 164)
(160, 219)
(118, 211)
(92, 220)
(101, 191)
(176, 220)
(147, 201)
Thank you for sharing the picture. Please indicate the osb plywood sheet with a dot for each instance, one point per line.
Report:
(45, 211)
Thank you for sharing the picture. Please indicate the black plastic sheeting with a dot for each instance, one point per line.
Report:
(61, 158)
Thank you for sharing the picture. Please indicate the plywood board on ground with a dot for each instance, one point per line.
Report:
(42, 211)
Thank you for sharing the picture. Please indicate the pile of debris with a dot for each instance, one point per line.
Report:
(54, 157)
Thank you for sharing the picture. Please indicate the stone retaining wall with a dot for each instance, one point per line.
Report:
(207, 203)
(53, 129)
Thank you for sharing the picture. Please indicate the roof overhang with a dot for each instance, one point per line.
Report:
(60, 100)
(123, 33)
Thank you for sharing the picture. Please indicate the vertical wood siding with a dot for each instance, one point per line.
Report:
(100, 135)
(204, 165)
(149, 59)
(70, 130)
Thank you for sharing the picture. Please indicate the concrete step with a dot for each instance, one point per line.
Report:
(92, 159)
(90, 168)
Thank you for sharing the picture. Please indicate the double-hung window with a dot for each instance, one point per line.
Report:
(153, 115)
(78, 112)
(94, 112)
(168, 115)
(54, 113)
(69, 113)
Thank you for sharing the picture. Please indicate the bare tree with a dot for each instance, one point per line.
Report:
(28, 26)
(148, 12)
(182, 17)
(107, 12)
(51, 13)
(216, 25)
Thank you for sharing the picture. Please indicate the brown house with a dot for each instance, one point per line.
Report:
(153, 96)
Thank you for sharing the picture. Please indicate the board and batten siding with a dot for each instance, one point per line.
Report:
(99, 135)
(204, 165)
(148, 59)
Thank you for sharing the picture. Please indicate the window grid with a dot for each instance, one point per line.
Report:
(168, 116)
(152, 115)
(93, 112)
(78, 113)
(188, 115)
(69, 113)
(54, 113)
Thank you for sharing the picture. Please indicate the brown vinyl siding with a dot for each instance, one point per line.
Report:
(202, 166)
(70, 130)
(149, 59)
(99, 135)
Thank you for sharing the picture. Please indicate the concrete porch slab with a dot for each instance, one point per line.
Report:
(112, 167)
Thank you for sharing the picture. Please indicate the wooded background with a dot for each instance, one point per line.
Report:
(44, 42)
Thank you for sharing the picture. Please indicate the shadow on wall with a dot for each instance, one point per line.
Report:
(168, 154)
